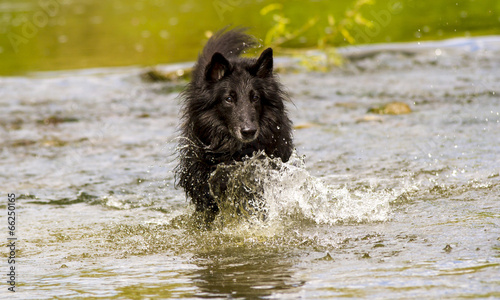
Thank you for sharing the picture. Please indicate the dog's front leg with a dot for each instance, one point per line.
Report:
(219, 179)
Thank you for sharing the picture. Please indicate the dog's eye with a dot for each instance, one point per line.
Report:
(255, 98)
(229, 99)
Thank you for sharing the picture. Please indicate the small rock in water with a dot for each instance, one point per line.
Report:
(370, 119)
(326, 257)
(56, 120)
(392, 108)
(305, 125)
(348, 105)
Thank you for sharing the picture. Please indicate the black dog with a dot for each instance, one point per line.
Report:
(233, 107)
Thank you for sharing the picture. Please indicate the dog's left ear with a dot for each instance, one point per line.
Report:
(264, 65)
(218, 67)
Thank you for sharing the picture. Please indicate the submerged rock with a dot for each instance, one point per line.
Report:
(155, 75)
(56, 120)
(392, 108)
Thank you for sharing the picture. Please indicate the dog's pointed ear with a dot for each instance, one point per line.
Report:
(218, 67)
(264, 65)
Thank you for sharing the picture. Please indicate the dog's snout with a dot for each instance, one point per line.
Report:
(248, 132)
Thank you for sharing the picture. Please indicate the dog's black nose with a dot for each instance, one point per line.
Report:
(248, 132)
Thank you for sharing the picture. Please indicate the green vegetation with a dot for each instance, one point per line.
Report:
(333, 34)
(62, 34)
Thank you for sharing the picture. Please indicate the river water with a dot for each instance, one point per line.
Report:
(371, 206)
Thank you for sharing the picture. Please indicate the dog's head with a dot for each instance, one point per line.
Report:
(238, 90)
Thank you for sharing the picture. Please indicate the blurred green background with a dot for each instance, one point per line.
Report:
(38, 35)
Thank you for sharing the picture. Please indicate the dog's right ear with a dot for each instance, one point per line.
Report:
(263, 67)
(217, 68)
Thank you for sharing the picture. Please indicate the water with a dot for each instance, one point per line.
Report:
(382, 206)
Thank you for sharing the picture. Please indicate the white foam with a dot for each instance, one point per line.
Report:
(289, 191)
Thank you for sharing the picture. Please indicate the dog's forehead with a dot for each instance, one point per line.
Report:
(241, 80)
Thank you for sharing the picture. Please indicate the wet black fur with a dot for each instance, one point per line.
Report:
(220, 79)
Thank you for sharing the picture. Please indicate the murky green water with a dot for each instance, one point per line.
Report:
(384, 206)
(64, 34)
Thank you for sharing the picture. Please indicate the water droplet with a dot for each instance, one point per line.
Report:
(139, 47)
(173, 21)
(164, 34)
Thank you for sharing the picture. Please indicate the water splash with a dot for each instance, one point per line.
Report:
(263, 188)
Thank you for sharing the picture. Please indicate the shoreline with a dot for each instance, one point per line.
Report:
(349, 53)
